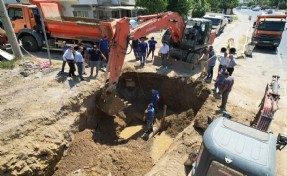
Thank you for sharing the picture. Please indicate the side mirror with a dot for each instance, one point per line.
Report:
(254, 24)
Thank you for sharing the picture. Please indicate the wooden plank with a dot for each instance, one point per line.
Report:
(6, 55)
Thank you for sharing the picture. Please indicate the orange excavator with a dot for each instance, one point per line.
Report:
(120, 34)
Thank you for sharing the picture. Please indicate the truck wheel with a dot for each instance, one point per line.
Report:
(29, 43)
(274, 48)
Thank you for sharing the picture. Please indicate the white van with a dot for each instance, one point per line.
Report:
(218, 22)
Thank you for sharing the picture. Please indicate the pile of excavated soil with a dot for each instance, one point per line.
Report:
(175, 124)
(95, 153)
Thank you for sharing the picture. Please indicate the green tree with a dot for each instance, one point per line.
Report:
(250, 3)
(200, 7)
(213, 3)
(180, 6)
(228, 4)
(153, 6)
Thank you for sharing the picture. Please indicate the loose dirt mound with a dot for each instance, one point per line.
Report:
(177, 123)
(90, 153)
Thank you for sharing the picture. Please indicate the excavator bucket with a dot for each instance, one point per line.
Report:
(110, 103)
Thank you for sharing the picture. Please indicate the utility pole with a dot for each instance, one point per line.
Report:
(9, 30)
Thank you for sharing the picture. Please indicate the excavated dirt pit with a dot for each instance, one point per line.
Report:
(113, 145)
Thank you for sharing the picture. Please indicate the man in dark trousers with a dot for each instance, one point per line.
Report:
(226, 89)
(104, 48)
(64, 48)
(95, 57)
(79, 61)
(143, 47)
(151, 44)
(135, 46)
(69, 56)
(149, 118)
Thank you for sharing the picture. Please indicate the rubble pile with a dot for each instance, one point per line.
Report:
(30, 67)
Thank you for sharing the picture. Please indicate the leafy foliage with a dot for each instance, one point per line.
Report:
(200, 7)
(180, 6)
(213, 3)
(153, 6)
(228, 4)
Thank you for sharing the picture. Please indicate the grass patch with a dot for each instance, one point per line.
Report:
(4, 64)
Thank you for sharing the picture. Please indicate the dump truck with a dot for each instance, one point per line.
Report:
(230, 148)
(268, 30)
(26, 21)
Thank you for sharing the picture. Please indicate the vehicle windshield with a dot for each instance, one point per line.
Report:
(271, 25)
(133, 23)
(214, 21)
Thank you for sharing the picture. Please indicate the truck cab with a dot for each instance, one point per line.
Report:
(25, 20)
(233, 149)
(268, 30)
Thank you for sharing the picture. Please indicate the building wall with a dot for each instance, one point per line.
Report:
(67, 8)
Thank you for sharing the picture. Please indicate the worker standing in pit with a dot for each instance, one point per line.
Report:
(155, 99)
(143, 47)
(104, 48)
(149, 118)
(151, 44)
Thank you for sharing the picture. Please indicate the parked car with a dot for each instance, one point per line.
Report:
(238, 8)
(229, 18)
(218, 22)
(243, 7)
(269, 11)
(257, 8)
(220, 11)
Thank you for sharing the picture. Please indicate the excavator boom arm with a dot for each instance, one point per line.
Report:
(121, 34)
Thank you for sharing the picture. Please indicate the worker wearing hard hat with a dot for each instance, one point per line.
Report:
(149, 118)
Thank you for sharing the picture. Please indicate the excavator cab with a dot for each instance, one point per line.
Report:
(233, 149)
(195, 39)
(196, 34)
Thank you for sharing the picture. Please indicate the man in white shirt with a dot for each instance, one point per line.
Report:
(222, 61)
(69, 56)
(163, 51)
(79, 61)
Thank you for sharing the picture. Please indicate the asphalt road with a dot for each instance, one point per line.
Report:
(260, 68)
(282, 49)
